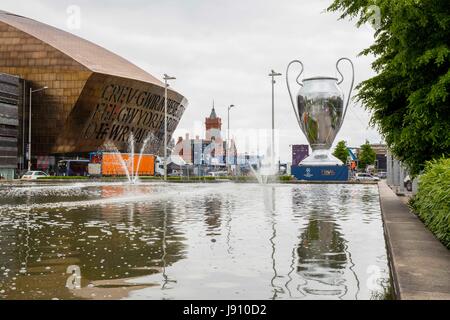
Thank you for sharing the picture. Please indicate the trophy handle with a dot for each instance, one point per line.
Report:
(289, 87)
(351, 86)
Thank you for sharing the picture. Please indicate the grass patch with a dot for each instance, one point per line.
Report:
(173, 178)
(150, 178)
(432, 201)
(205, 178)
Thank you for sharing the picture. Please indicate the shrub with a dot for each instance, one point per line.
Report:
(286, 178)
(432, 202)
(191, 178)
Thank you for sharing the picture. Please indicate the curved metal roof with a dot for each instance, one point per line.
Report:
(88, 54)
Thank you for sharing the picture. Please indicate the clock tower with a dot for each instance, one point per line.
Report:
(213, 126)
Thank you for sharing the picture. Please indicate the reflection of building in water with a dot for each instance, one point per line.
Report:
(8, 257)
(103, 241)
(144, 235)
(213, 219)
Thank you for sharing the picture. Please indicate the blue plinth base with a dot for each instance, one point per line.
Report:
(320, 173)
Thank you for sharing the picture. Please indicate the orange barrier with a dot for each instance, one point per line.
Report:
(112, 165)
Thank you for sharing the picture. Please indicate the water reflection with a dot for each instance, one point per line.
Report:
(108, 242)
(164, 260)
(322, 258)
(213, 215)
(156, 241)
(270, 208)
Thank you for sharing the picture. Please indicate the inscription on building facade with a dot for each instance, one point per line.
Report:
(124, 110)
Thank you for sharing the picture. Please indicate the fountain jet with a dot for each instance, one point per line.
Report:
(128, 163)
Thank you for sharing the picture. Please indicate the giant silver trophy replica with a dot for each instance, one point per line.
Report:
(320, 113)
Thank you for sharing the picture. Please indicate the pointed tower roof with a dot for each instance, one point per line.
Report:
(213, 114)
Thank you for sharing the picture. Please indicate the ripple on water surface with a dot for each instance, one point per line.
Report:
(200, 241)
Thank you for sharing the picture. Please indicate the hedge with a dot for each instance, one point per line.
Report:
(63, 178)
(432, 201)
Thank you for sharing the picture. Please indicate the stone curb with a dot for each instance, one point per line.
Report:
(420, 264)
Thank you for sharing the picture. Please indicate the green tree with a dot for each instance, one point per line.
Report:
(408, 99)
(366, 156)
(341, 151)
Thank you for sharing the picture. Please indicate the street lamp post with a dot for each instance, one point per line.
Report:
(228, 138)
(29, 124)
(273, 74)
(166, 79)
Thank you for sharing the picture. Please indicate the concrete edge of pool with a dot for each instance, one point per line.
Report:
(420, 264)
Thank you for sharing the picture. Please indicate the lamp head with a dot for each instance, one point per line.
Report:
(166, 77)
(274, 74)
(37, 90)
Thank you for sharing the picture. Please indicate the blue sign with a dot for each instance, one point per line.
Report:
(320, 173)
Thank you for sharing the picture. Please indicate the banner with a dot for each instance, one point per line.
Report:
(320, 173)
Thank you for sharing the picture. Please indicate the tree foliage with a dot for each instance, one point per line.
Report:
(366, 156)
(409, 98)
(341, 151)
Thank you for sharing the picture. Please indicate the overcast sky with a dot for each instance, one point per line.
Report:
(224, 50)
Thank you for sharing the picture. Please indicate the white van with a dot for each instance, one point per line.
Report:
(366, 177)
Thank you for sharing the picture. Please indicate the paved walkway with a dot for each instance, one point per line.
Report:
(420, 264)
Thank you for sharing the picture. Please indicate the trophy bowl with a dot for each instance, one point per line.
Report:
(320, 113)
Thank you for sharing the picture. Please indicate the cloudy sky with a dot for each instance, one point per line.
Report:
(223, 50)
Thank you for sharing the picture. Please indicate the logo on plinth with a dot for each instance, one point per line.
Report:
(328, 172)
(308, 173)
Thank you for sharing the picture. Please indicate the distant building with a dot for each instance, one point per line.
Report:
(381, 152)
(210, 151)
(93, 97)
(247, 161)
(381, 155)
(299, 153)
(213, 125)
(10, 89)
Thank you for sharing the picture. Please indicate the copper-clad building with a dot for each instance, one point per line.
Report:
(93, 96)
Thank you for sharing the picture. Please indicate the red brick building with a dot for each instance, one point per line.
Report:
(212, 150)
